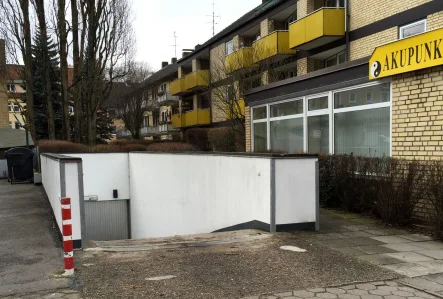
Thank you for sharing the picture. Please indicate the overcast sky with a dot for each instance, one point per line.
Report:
(156, 21)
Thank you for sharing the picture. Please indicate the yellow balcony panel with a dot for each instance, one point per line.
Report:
(196, 118)
(196, 80)
(319, 28)
(240, 59)
(271, 45)
(176, 121)
(177, 87)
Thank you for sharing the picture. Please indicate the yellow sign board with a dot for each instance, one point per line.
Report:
(406, 55)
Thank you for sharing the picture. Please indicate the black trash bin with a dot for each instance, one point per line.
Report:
(20, 162)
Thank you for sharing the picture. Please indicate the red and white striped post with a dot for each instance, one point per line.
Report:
(68, 247)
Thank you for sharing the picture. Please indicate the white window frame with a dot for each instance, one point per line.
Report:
(330, 111)
(402, 28)
(228, 44)
(16, 107)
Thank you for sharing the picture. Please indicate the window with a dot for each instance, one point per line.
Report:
(287, 108)
(335, 59)
(13, 107)
(11, 87)
(363, 96)
(10, 109)
(259, 113)
(229, 47)
(334, 3)
(260, 136)
(291, 19)
(318, 103)
(318, 134)
(17, 125)
(412, 29)
(287, 135)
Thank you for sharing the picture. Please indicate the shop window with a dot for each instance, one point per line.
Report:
(412, 29)
(259, 113)
(318, 103)
(318, 134)
(287, 108)
(260, 136)
(363, 96)
(229, 47)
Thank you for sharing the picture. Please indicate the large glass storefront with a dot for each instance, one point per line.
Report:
(356, 120)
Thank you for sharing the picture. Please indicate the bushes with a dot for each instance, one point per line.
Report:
(222, 139)
(198, 137)
(171, 147)
(433, 203)
(119, 148)
(61, 147)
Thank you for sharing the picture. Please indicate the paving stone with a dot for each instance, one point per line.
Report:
(415, 237)
(392, 283)
(373, 249)
(436, 254)
(403, 293)
(409, 257)
(252, 297)
(348, 296)
(407, 289)
(285, 294)
(336, 291)
(303, 294)
(371, 297)
(358, 234)
(380, 259)
(326, 295)
(411, 269)
(402, 247)
(358, 292)
(315, 290)
(389, 239)
(378, 232)
(380, 292)
(357, 227)
(290, 297)
(366, 286)
(438, 278)
(423, 295)
(387, 288)
(430, 245)
(394, 297)
(352, 251)
(424, 284)
(379, 283)
(349, 287)
(363, 241)
(435, 266)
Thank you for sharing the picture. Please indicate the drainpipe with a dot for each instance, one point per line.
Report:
(348, 50)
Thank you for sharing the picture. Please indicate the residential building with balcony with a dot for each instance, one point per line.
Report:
(332, 76)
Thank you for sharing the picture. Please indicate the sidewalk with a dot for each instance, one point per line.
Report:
(30, 251)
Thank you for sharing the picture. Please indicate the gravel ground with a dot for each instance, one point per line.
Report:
(222, 270)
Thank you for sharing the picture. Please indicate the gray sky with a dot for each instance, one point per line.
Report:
(156, 21)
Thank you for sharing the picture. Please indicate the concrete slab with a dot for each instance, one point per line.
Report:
(415, 237)
(436, 266)
(358, 234)
(389, 239)
(337, 243)
(379, 259)
(352, 251)
(438, 278)
(363, 241)
(409, 257)
(436, 254)
(374, 249)
(403, 247)
(411, 269)
(430, 245)
(378, 232)
(331, 236)
(357, 227)
(423, 284)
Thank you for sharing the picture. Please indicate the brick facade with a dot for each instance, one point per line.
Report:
(365, 46)
(417, 114)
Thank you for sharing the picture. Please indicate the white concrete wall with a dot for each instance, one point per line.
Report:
(3, 169)
(295, 191)
(52, 182)
(173, 194)
(102, 173)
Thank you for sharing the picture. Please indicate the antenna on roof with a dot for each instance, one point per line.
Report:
(214, 17)
(175, 44)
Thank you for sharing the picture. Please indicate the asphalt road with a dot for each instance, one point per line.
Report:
(30, 250)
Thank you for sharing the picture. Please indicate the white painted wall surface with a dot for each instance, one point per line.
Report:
(3, 169)
(102, 173)
(51, 182)
(174, 194)
(72, 191)
(295, 183)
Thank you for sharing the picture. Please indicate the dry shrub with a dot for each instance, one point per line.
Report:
(433, 191)
(171, 147)
(62, 147)
(198, 137)
(222, 139)
(118, 148)
(131, 142)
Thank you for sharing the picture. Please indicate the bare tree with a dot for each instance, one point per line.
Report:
(40, 10)
(63, 48)
(15, 27)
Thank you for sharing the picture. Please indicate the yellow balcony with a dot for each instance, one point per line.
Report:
(271, 45)
(237, 110)
(318, 28)
(191, 118)
(177, 87)
(240, 59)
(196, 79)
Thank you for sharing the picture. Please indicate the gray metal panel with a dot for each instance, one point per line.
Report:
(106, 220)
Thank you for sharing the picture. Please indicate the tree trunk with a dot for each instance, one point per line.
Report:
(64, 67)
(91, 72)
(27, 58)
(45, 64)
(77, 72)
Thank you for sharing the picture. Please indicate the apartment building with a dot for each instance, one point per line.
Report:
(4, 123)
(15, 93)
(332, 76)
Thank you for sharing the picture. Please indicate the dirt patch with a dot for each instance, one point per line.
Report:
(222, 270)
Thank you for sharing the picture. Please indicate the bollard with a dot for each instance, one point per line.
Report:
(67, 236)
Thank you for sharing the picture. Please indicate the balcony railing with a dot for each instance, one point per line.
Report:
(177, 87)
(192, 118)
(146, 131)
(167, 98)
(271, 45)
(166, 128)
(240, 59)
(318, 28)
(196, 79)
